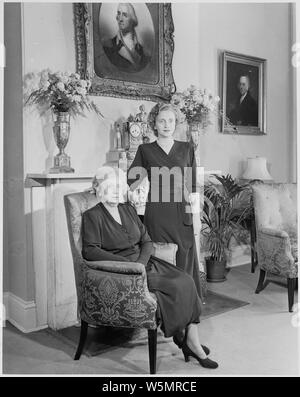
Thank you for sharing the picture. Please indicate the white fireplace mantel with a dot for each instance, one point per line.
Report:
(55, 292)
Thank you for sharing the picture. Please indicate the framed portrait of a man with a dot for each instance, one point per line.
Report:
(126, 49)
(243, 94)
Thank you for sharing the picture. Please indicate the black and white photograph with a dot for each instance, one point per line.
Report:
(149, 179)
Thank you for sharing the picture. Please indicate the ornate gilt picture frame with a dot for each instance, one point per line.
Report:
(116, 67)
(243, 84)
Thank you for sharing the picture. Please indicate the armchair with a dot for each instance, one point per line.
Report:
(111, 293)
(275, 207)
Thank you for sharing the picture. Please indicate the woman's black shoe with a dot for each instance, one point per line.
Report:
(178, 339)
(187, 353)
(205, 362)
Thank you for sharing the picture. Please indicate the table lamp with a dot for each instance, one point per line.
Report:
(256, 170)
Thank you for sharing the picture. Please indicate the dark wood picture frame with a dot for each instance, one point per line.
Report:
(233, 66)
(153, 82)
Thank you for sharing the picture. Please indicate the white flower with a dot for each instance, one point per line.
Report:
(177, 101)
(64, 79)
(44, 75)
(205, 100)
(83, 83)
(77, 76)
(200, 100)
(197, 97)
(60, 85)
(44, 85)
(76, 98)
(59, 75)
(217, 99)
(81, 91)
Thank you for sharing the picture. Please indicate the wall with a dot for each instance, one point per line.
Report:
(17, 269)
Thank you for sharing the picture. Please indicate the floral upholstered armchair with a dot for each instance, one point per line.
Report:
(111, 293)
(275, 207)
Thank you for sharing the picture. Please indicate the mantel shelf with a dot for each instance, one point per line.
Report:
(42, 179)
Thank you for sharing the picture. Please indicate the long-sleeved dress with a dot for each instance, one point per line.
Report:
(169, 220)
(103, 238)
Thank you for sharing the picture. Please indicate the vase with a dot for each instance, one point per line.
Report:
(61, 131)
(194, 136)
(194, 131)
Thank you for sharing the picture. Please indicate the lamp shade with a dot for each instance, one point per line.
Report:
(257, 169)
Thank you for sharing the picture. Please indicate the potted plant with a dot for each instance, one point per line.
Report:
(226, 209)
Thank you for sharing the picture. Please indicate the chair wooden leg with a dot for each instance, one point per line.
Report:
(291, 283)
(261, 285)
(253, 252)
(152, 344)
(83, 335)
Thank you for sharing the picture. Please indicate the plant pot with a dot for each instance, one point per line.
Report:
(215, 270)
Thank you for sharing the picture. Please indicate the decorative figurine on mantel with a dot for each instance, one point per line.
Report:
(118, 138)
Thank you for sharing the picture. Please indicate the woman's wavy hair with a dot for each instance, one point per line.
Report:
(159, 107)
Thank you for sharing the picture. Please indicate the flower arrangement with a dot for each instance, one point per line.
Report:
(196, 104)
(62, 92)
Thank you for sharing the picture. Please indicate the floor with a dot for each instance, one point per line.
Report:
(257, 339)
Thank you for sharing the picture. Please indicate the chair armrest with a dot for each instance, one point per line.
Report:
(273, 232)
(274, 252)
(117, 267)
(116, 294)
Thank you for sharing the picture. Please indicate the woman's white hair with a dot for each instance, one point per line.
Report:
(107, 176)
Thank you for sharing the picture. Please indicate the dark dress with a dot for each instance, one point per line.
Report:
(169, 220)
(104, 238)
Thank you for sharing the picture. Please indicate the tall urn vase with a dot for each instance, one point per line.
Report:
(61, 131)
(194, 133)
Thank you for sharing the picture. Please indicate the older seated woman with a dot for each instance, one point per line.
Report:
(112, 230)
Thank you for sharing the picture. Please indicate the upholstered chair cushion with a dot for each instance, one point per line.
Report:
(276, 223)
(109, 293)
(276, 206)
(166, 251)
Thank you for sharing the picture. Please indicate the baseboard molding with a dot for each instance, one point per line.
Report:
(22, 314)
